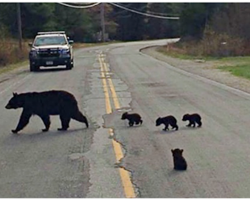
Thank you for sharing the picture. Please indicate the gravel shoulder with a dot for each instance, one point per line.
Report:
(205, 69)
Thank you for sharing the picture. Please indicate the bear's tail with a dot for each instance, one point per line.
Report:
(81, 118)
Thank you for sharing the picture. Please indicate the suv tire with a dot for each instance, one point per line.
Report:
(34, 68)
(70, 66)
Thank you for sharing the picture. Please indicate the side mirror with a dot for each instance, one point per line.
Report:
(71, 41)
(30, 44)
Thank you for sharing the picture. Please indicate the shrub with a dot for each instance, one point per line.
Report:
(211, 45)
(220, 45)
(10, 53)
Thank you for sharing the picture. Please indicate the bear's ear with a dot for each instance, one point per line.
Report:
(15, 94)
(172, 150)
(181, 150)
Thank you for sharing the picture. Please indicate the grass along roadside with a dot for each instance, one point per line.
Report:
(11, 67)
(237, 66)
(238, 70)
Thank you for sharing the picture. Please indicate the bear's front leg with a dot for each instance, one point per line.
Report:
(166, 128)
(131, 123)
(189, 124)
(23, 121)
(46, 121)
(193, 124)
(14, 131)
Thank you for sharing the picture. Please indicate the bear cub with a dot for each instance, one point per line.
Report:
(132, 118)
(179, 161)
(44, 104)
(168, 120)
(192, 118)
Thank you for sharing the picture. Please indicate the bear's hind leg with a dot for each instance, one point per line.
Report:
(176, 127)
(193, 123)
(138, 122)
(81, 118)
(65, 122)
(199, 123)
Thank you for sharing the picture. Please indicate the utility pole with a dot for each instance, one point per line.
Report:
(102, 22)
(19, 23)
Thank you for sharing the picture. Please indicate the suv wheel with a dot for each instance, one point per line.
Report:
(70, 66)
(34, 68)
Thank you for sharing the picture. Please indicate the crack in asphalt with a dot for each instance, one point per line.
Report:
(119, 164)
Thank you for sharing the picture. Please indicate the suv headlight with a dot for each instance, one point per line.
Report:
(33, 53)
(65, 53)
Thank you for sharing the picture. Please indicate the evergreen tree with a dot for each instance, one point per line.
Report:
(162, 28)
(131, 26)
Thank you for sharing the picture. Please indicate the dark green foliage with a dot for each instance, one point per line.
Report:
(131, 25)
(37, 17)
(8, 17)
(85, 24)
(162, 28)
(45, 17)
(194, 18)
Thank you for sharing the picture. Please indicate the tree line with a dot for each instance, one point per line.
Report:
(83, 25)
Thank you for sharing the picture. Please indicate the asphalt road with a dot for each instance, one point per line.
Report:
(110, 159)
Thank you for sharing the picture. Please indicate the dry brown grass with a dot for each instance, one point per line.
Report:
(10, 53)
(212, 45)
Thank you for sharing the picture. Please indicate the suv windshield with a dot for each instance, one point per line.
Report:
(50, 40)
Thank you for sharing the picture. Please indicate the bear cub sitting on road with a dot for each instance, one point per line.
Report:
(168, 120)
(192, 118)
(179, 161)
(132, 118)
(44, 104)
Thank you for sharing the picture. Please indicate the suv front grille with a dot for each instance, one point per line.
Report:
(48, 53)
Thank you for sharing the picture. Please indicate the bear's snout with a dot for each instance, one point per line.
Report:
(8, 106)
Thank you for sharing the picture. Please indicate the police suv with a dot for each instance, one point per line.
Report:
(51, 49)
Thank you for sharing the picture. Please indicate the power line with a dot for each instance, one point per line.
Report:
(145, 14)
(122, 7)
(80, 7)
(160, 14)
(148, 12)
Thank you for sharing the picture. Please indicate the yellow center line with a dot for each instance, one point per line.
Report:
(105, 89)
(112, 88)
(126, 181)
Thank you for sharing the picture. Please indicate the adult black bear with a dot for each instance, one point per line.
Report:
(179, 161)
(132, 118)
(193, 118)
(44, 104)
(168, 120)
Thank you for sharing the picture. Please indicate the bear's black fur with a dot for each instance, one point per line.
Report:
(44, 104)
(179, 161)
(192, 118)
(168, 120)
(132, 118)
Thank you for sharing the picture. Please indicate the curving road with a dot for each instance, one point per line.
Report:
(110, 159)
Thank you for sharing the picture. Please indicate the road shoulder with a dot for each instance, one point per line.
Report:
(205, 69)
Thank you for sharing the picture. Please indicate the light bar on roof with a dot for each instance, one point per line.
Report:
(51, 32)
